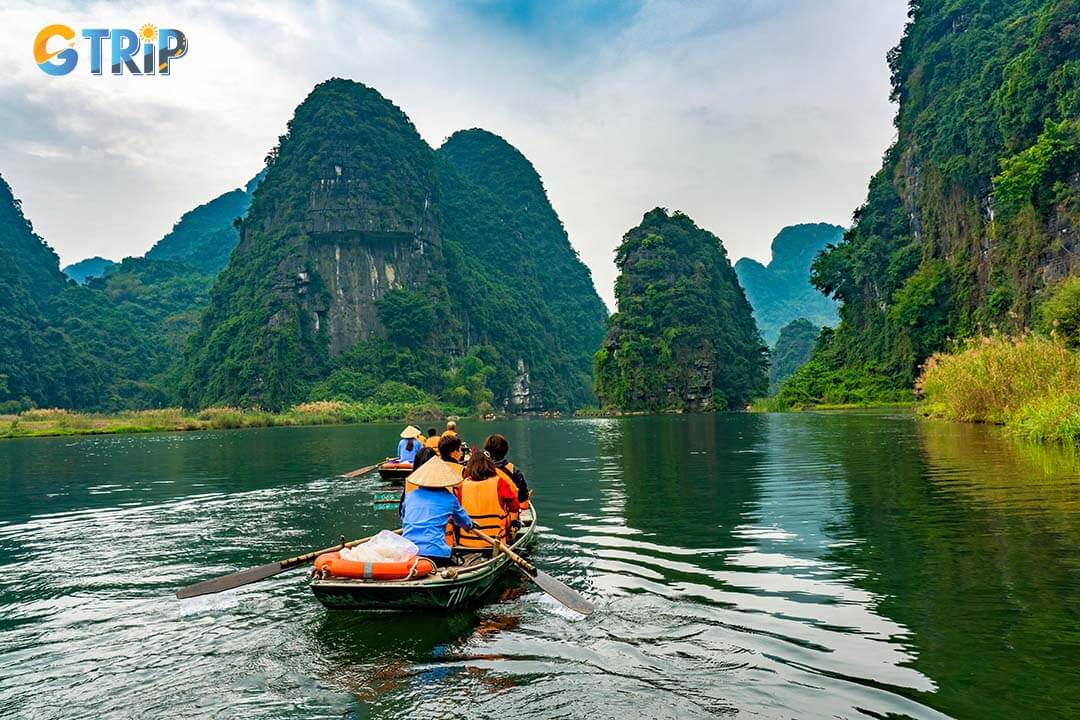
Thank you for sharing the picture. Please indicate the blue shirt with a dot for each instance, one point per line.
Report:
(408, 455)
(424, 515)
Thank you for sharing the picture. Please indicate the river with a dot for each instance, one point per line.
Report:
(862, 564)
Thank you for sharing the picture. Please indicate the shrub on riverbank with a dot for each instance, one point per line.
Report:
(1030, 384)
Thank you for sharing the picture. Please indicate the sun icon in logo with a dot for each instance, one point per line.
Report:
(148, 33)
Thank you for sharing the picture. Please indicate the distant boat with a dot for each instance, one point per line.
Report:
(444, 589)
(394, 471)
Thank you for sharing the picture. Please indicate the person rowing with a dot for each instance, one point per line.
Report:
(431, 509)
(409, 444)
(432, 439)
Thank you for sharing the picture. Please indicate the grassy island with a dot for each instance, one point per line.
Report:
(53, 421)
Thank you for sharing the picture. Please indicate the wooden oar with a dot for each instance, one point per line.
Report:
(245, 577)
(361, 471)
(555, 588)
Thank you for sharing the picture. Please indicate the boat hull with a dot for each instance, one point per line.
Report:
(394, 475)
(434, 593)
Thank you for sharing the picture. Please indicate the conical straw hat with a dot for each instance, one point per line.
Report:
(411, 432)
(435, 473)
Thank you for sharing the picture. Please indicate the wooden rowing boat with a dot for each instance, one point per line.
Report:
(445, 589)
(390, 472)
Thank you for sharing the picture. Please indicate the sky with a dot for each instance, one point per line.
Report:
(748, 115)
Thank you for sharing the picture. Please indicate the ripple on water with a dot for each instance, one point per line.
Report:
(727, 563)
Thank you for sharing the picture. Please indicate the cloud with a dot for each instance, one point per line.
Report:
(747, 114)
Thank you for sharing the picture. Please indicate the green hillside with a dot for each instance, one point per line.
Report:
(34, 357)
(205, 237)
(519, 283)
(974, 214)
(780, 292)
(93, 267)
(792, 349)
(684, 337)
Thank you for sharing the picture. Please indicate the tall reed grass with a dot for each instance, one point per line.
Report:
(1030, 384)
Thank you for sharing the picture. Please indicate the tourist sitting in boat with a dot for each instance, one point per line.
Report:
(426, 513)
(423, 455)
(450, 449)
(451, 428)
(432, 440)
(409, 444)
(449, 452)
(497, 447)
(489, 499)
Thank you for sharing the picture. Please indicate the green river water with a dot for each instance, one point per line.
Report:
(761, 566)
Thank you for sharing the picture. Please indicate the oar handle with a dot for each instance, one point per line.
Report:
(499, 545)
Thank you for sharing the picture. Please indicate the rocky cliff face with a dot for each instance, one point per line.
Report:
(683, 337)
(360, 248)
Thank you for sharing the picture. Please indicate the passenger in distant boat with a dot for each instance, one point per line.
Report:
(497, 447)
(409, 444)
(449, 452)
(427, 512)
(489, 499)
(422, 456)
(432, 440)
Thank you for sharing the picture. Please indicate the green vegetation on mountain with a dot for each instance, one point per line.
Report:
(977, 205)
(204, 238)
(34, 357)
(371, 272)
(93, 267)
(518, 283)
(684, 337)
(792, 349)
(129, 327)
(781, 291)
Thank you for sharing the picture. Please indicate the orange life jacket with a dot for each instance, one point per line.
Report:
(480, 498)
(433, 442)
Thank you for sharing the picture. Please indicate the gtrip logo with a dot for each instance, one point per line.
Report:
(149, 51)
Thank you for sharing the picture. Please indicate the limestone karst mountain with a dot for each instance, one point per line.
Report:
(683, 337)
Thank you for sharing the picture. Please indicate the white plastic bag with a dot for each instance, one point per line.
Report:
(384, 547)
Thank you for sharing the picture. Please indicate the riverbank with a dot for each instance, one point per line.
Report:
(776, 404)
(1028, 384)
(58, 422)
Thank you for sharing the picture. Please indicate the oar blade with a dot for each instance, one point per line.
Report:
(560, 591)
(359, 472)
(228, 582)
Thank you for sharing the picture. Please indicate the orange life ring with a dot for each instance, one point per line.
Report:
(334, 564)
(397, 465)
